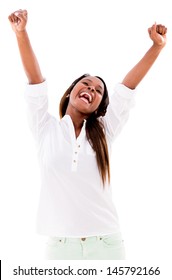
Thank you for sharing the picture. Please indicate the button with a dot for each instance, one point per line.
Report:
(83, 238)
(76, 152)
(79, 146)
(74, 161)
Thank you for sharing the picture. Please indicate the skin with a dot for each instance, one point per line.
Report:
(77, 108)
(18, 21)
(157, 34)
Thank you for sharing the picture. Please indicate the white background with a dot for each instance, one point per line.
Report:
(104, 38)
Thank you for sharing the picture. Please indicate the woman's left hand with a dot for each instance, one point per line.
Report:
(157, 34)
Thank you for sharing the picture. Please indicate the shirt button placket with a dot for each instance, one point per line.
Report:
(75, 157)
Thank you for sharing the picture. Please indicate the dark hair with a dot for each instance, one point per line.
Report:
(94, 128)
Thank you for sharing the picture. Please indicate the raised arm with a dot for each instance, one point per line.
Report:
(18, 22)
(157, 34)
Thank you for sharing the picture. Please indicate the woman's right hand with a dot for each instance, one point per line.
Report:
(18, 20)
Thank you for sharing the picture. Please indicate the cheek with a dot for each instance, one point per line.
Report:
(98, 100)
(72, 96)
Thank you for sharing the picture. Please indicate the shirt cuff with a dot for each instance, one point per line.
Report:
(36, 90)
(124, 91)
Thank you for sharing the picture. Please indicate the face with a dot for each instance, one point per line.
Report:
(86, 95)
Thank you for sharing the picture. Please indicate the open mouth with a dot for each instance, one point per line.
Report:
(86, 97)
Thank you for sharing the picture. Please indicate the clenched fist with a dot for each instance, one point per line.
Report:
(18, 20)
(157, 34)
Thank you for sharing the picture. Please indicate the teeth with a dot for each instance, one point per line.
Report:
(87, 94)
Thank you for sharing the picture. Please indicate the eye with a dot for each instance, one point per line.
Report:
(85, 83)
(99, 91)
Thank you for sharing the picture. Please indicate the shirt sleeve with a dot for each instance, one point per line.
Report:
(121, 101)
(37, 108)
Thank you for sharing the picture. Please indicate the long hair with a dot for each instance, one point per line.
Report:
(94, 128)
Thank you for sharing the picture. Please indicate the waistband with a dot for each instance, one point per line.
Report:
(85, 239)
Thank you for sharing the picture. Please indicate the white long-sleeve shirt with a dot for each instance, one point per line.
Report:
(73, 201)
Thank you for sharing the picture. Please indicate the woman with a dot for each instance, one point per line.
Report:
(76, 209)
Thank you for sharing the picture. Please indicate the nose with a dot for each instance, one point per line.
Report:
(91, 88)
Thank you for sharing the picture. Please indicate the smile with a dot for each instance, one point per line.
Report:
(86, 97)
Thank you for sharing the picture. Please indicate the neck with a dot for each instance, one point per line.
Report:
(78, 120)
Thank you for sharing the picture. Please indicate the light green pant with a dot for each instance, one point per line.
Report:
(107, 247)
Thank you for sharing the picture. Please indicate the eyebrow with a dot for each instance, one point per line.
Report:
(92, 81)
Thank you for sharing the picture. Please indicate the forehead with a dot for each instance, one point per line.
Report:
(94, 80)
